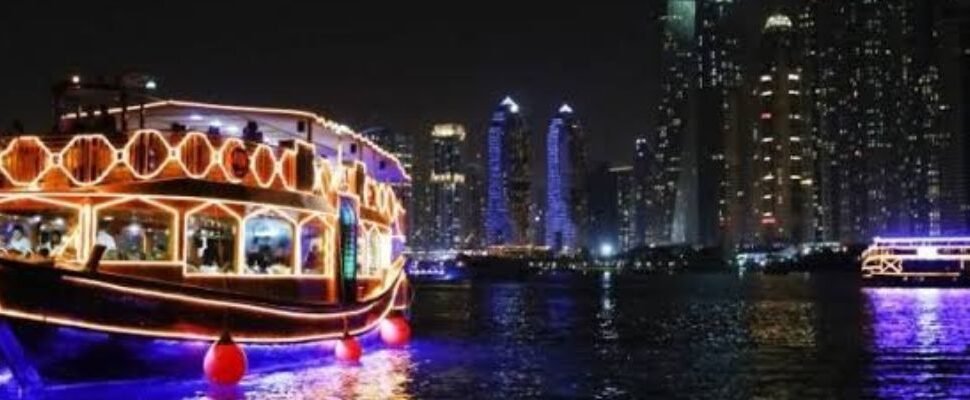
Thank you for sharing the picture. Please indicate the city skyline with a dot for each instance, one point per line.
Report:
(598, 58)
(740, 138)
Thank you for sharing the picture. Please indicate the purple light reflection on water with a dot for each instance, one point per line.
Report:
(382, 374)
(920, 339)
(272, 369)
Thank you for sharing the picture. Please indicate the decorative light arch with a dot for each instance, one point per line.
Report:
(198, 139)
(47, 163)
(226, 154)
(263, 157)
(147, 135)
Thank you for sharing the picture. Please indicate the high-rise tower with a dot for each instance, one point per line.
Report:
(446, 183)
(701, 76)
(567, 200)
(782, 179)
(509, 177)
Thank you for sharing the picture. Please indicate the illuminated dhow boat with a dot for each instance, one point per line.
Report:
(182, 220)
(917, 259)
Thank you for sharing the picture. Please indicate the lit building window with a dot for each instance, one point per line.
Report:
(766, 78)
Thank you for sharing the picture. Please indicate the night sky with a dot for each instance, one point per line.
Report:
(398, 64)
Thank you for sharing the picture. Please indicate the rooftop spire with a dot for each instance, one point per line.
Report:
(508, 102)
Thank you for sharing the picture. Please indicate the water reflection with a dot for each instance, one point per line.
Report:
(384, 374)
(693, 336)
(919, 342)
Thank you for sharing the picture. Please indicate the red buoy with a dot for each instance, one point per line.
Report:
(348, 350)
(395, 331)
(225, 362)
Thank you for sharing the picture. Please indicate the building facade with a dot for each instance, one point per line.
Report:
(446, 184)
(625, 204)
(879, 116)
(509, 178)
(783, 162)
(701, 80)
(567, 195)
(952, 22)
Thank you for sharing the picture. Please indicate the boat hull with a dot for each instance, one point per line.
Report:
(81, 327)
(139, 307)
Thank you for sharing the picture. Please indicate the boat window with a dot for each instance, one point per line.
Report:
(269, 245)
(211, 241)
(135, 231)
(38, 230)
(315, 254)
(376, 253)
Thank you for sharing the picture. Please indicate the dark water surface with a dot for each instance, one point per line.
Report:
(687, 336)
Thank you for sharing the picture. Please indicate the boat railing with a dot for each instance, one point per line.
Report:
(82, 161)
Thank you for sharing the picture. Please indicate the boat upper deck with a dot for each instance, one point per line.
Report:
(271, 126)
(919, 248)
(913, 242)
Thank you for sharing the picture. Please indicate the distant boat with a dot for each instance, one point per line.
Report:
(437, 271)
(917, 260)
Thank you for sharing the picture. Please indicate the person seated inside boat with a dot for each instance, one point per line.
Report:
(313, 262)
(108, 241)
(257, 256)
(18, 242)
(261, 258)
(208, 256)
(49, 241)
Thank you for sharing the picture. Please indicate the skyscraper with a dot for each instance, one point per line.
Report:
(622, 179)
(507, 218)
(953, 26)
(878, 119)
(782, 160)
(818, 58)
(567, 202)
(447, 182)
(613, 208)
(474, 203)
(700, 74)
(676, 129)
(648, 182)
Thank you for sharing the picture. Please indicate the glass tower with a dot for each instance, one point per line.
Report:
(567, 203)
(508, 177)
